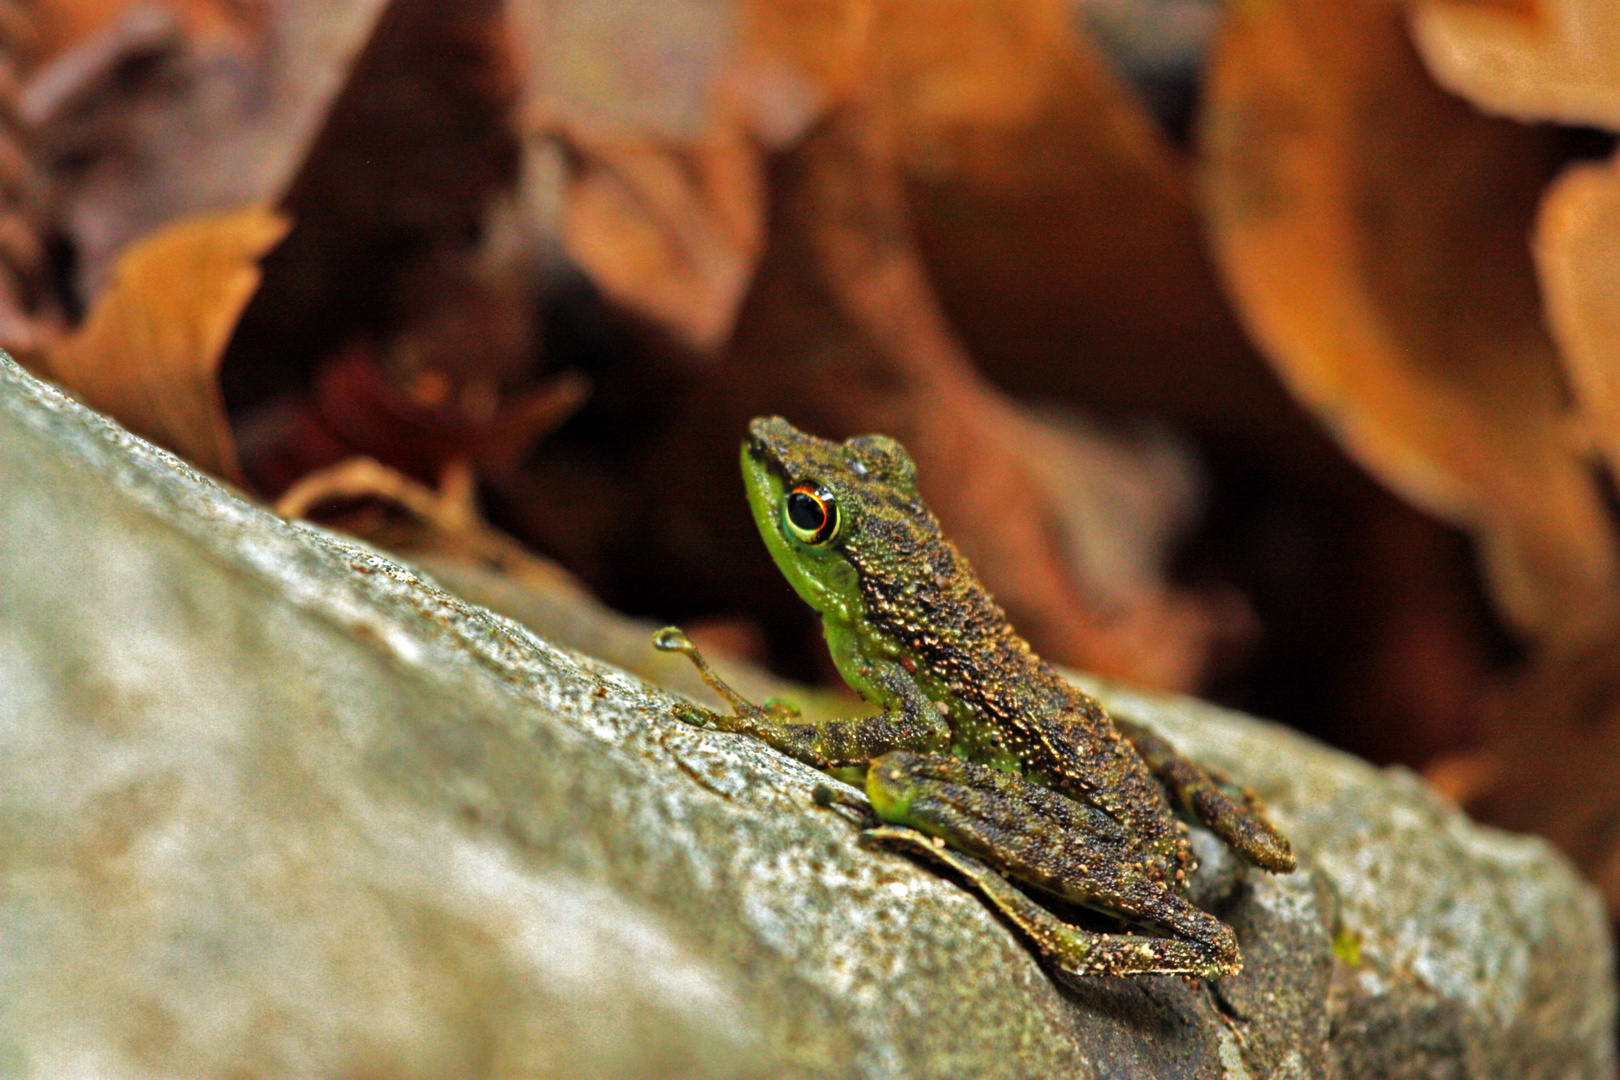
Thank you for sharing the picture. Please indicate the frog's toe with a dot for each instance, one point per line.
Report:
(1229, 812)
(1243, 827)
(827, 795)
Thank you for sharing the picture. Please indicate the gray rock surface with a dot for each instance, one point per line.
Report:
(273, 805)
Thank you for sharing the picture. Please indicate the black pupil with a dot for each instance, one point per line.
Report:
(806, 512)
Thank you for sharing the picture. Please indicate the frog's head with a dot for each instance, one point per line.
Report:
(827, 508)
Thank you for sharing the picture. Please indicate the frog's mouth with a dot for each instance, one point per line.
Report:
(764, 475)
(763, 479)
(757, 449)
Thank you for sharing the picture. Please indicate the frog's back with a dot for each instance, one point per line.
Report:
(922, 593)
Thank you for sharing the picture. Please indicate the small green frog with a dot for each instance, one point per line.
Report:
(983, 758)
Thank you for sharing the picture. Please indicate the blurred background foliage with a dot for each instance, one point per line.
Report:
(1267, 350)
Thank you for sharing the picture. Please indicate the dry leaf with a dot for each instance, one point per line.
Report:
(1548, 762)
(671, 231)
(1054, 219)
(1019, 146)
(1372, 231)
(662, 201)
(62, 25)
(171, 110)
(1542, 60)
(1553, 732)
(1053, 215)
(1577, 245)
(30, 321)
(149, 353)
(660, 194)
(648, 66)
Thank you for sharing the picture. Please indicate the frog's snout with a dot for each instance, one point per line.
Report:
(773, 435)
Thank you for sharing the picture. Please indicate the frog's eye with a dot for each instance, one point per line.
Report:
(811, 514)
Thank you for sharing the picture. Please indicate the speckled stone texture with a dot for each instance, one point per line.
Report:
(274, 805)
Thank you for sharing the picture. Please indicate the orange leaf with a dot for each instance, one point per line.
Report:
(1372, 231)
(671, 230)
(150, 351)
(1547, 60)
(1577, 245)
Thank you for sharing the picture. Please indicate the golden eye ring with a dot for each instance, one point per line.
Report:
(811, 514)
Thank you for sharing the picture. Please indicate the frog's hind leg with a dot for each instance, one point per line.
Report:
(1231, 813)
(985, 823)
(1071, 950)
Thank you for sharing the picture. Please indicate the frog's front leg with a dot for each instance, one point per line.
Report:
(1239, 820)
(989, 825)
(915, 724)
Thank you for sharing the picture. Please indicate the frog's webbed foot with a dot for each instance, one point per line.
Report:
(1067, 949)
(989, 825)
(1230, 812)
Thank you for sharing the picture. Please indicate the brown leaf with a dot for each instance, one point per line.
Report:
(670, 230)
(663, 192)
(1054, 217)
(1372, 229)
(29, 318)
(1541, 60)
(165, 111)
(649, 66)
(1577, 245)
(1553, 733)
(660, 198)
(149, 353)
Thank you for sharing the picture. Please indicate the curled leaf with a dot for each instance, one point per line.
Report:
(1577, 245)
(149, 113)
(1542, 60)
(671, 230)
(150, 351)
(1372, 228)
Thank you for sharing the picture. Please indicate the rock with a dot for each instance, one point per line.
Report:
(272, 804)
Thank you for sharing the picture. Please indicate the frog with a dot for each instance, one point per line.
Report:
(980, 756)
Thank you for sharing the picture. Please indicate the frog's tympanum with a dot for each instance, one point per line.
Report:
(982, 757)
